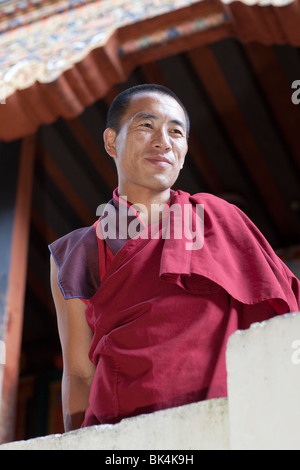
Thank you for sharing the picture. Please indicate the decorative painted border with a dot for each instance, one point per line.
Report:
(180, 31)
(42, 51)
(21, 13)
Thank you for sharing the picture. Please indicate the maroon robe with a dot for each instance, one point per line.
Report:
(161, 315)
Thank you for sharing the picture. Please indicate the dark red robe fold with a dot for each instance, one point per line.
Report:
(235, 255)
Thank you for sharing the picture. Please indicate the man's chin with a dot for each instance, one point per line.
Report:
(159, 183)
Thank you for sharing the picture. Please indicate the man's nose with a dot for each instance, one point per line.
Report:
(162, 140)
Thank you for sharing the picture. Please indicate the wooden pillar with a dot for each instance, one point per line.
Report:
(16, 178)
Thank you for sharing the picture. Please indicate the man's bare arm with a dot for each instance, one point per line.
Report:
(75, 337)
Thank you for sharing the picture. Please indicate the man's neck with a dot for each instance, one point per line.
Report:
(149, 203)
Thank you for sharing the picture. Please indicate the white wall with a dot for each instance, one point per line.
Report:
(263, 366)
(201, 425)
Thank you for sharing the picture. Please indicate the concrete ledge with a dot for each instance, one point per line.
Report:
(263, 366)
(198, 426)
(262, 411)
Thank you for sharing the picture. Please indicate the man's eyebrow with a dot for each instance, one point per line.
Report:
(178, 123)
(142, 115)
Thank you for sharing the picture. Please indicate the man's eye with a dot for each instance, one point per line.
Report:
(176, 131)
(147, 124)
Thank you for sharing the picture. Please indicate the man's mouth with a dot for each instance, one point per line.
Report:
(159, 160)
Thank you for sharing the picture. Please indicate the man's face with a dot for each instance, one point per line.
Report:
(150, 148)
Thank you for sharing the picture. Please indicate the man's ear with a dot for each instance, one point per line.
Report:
(182, 163)
(109, 137)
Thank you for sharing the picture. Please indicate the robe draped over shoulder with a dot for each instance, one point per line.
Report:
(235, 255)
(77, 260)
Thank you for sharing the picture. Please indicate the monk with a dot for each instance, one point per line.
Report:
(147, 297)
